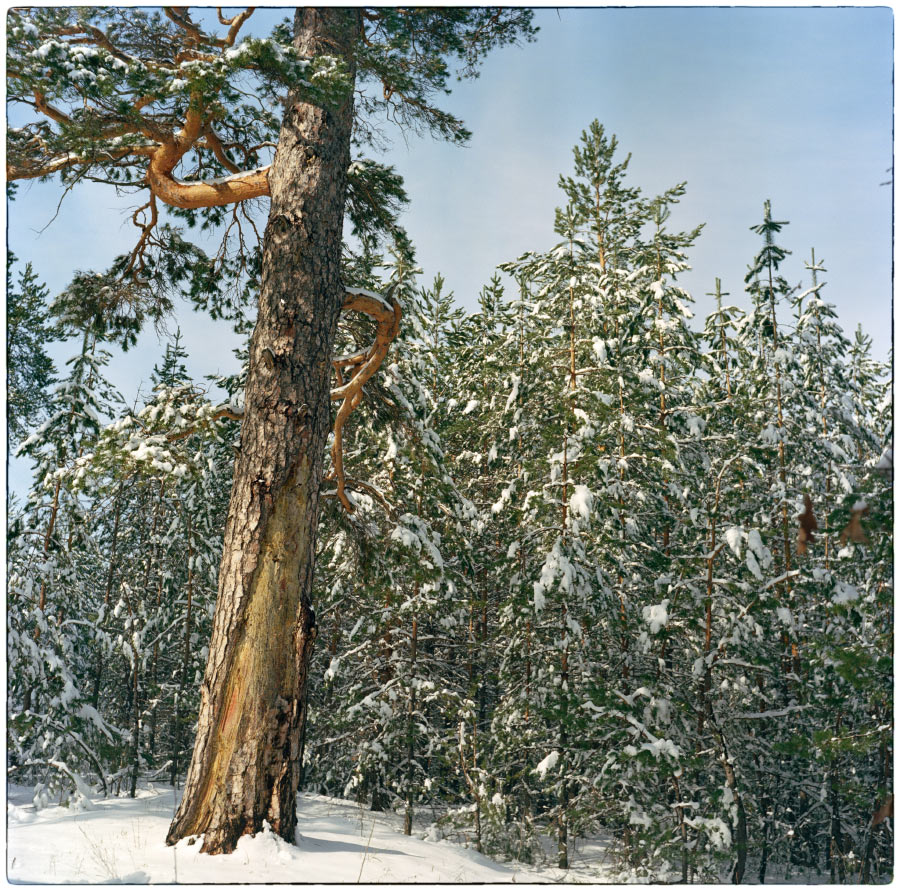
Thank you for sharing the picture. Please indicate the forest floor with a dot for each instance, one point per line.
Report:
(121, 840)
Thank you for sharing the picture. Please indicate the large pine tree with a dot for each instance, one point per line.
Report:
(131, 97)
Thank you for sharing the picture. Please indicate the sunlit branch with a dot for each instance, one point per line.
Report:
(362, 366)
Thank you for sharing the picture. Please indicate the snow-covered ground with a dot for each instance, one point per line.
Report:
(122, 840)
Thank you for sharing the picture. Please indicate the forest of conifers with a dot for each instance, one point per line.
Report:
(607, 567)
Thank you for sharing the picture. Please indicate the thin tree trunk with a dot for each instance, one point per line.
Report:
(48, 537)
(107, 593)
(134, 616)
(706, 683)
(136, 727)
(563, 824)
(682, 828)
(562, 841)
(245, 766)
(154, 666)
(764, 804)
(836, 842)
(790, 659)
(723, 343)
(740, 827)
(621, 503)
(303, 726)
(154, 677)
(185, 657)
(411, 724)
(662, 397)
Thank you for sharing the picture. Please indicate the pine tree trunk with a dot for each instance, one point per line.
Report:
(136, 719)
(411, 725)
(245, 765)
(764, 804)
(562, 835)
(107, 593)
(836, 842)
(740, 827)
(177, 718)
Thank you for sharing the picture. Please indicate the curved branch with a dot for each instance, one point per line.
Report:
(102, 40)
(360, 486)
(193, 31)
(137, 255)
(54, 165)
(387, 315)
(184, 22)
(208, 193)
(211, 193)
(164, 157)
(236, 23)
(363, 365)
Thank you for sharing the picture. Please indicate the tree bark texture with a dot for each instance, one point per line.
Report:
(245, 765)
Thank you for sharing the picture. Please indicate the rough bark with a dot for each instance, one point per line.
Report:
(245, 765)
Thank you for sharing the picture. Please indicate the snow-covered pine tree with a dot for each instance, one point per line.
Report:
(845, 581)
(394, 676)
(487, 368)
(54, 731)
(29, 370)
(606, 321)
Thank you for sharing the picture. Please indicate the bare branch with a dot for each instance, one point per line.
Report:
(218, 150)
(360, 486)
(184, 22)
(137, 255)
(215, 416)
(193, 31)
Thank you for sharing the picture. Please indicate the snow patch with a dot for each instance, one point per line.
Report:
(581, 502)
(844, 593)
(733, 537)
(657, 616)
(547, 764)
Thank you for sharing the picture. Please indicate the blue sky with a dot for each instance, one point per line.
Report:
(789, 104)
(744, 104)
